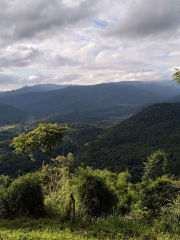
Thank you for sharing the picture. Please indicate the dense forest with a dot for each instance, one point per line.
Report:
(127, 145)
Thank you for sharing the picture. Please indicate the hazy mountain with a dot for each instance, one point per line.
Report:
(174, 99)
(169, 83)
(167, 88)
(100, 116)
(79, 98)
(11, 115)
(128, 144)
(35, 88)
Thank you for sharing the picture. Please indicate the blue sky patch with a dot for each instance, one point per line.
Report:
(102, 24)
(95, 53)
(162, 68)
(163, 57)
(25, 73)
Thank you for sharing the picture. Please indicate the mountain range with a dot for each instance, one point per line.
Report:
(91, 104)
(80, 98)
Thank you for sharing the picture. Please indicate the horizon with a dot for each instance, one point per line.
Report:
(150, 81)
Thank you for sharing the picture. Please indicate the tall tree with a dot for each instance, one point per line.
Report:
(43, 139)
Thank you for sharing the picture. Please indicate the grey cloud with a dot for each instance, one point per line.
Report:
(8, 79)
(63, 61)
(150, 18)
(29, 19)
(68, 78)
(20, 57)
(50, 78)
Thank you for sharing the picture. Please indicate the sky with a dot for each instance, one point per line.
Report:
(87, 42)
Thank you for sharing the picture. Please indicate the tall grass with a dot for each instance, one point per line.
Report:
(111, 227)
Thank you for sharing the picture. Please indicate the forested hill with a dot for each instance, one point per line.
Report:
(128, 144)
(11, 115)
(79, 98)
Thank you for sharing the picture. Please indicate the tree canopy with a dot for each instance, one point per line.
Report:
(44, 139)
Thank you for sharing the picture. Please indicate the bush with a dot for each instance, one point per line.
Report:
(156, 195)
(24, 197)
(96, 197)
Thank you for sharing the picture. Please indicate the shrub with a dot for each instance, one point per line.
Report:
(156, 195)
(96, 197)
(24, 197)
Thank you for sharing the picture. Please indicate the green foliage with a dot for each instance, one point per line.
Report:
(5, 181)
(155, 166)
(158, 194)
(75, 137)
(60, 173)
(93, 195)
(44, 139)
(176, 76)
(170, 217)
(24, 197)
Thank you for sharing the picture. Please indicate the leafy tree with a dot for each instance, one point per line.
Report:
(155, 166)
(176, 76)
(43, 139)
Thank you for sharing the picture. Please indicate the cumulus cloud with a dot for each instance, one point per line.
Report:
(149, 18)
(35, 19)
(19, 56)
(62, 61)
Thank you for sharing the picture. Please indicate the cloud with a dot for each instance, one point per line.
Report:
(87, 41)
(150, 18)
(8, 82)
(19, 56)
(51, 78)
(24, 20)
(63, 61)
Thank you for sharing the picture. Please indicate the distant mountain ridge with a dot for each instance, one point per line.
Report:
(79, 98)
(167, 88)
(36, 88)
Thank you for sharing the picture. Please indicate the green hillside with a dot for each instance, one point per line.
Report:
(11, 115)
(128, 144)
